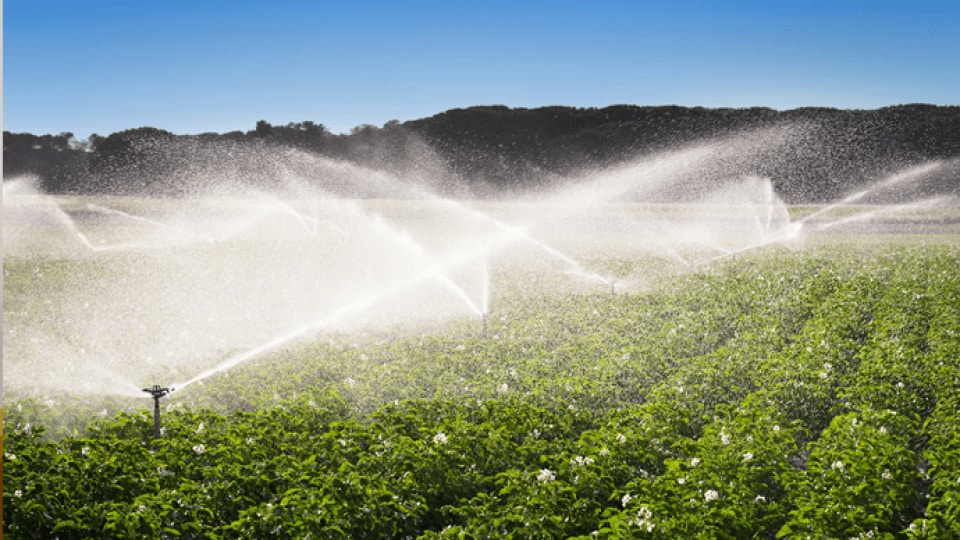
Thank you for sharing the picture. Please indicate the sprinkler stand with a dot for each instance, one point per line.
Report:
(157, 392)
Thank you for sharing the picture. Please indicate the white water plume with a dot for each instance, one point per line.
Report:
(870, 213)
(905, 176)
(34, 223)
(183, 289)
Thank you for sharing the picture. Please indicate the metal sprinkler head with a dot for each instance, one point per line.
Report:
(157, 392)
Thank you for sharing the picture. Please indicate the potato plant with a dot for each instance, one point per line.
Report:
(781, 395)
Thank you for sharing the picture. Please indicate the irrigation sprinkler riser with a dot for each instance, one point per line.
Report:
(157, 392)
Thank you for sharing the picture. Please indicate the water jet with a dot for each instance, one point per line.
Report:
(346, 245)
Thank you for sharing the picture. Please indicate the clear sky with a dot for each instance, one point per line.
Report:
(193, 66)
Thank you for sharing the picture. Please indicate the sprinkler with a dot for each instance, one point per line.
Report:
(157, 392)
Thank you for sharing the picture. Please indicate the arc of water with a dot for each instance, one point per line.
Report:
(64, 218)
(658, 241)
(517, 233)
(646, 175)
(485, 286)
(84, 240)
(435, 270)
(903, 176)
(770, 203)
(279, 341)
(309, 223)
(358, 305)
(155, 223)
(887, 210)
(575, 267)
(788, 232)
(512, 230)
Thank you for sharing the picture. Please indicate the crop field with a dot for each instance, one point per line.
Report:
(794, 389)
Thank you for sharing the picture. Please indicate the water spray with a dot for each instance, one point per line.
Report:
(157, 392)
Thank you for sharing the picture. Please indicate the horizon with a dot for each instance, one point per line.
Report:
(109, 66)
(490, 105)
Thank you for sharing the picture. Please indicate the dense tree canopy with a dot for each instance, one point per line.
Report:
(496, 149)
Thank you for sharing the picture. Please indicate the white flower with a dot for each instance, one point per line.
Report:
(747, 456)
(759, 499)
(199, 449)
(580, 461)
(694, 462)
(724, 438)
(682, 480)
(10, 457)
(837, 465)
(440, 438)
(626, 500)
(886, 474)
(883, 429)
(710, 495)
(18, 493)
(621, 438)
(776, 427)
(643, 519)
(503, 389)
(546, 475)
(200, 428)
(645, 524)
(85, 450)
(604, 451)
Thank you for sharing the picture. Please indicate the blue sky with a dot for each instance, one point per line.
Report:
(102, 66)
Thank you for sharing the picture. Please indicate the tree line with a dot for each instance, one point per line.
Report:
(496, 150)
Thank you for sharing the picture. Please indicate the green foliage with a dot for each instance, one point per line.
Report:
(859, 478)
(784, 396)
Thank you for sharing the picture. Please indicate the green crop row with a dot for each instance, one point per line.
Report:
(793, 394)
